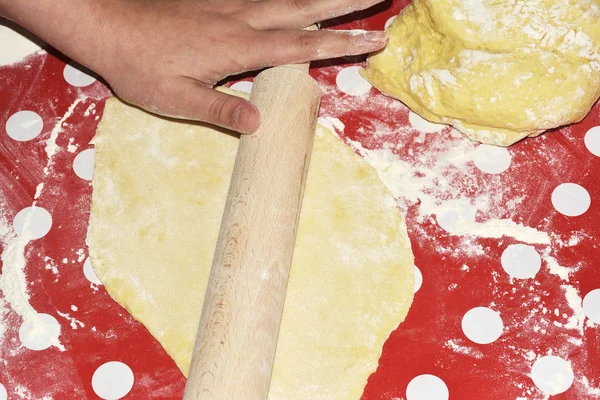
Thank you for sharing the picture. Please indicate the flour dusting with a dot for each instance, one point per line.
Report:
(73, 322)
(577, 319)
(554, 267)
(428, 183)
(13, 281)
(594, 391)
(455, 346)
(51, 146)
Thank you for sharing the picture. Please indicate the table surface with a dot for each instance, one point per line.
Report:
(492, 318)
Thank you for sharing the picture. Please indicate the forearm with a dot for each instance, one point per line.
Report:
(74, 27)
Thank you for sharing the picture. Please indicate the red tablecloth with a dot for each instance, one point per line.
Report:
(525, 301)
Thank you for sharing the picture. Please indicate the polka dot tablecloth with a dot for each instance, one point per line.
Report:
(507, 295)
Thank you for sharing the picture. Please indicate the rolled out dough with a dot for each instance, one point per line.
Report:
(497, 71)
(159, 192)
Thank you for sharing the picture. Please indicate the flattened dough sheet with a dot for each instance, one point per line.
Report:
(159, 192)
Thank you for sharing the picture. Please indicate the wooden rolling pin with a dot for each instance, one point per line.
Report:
(235, 346)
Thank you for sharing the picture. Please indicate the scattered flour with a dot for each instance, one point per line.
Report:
(5, 232)
(594, 391)
(51, 146)
(71, 148)
(80, 254)
(497, 228)
(554, 267)
(13, 281)
(429, 186)
(90, 110)
(38, 191)
(577, 320)
(458, 348)
(22, 392)
(51, 266)
(3, 314)
(571, 241)
(73, 322)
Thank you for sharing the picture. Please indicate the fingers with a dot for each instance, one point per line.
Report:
(298, 46)
(187, 99)
(288, 14)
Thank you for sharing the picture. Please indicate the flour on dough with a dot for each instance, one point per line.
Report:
(159, 192)
(497, 71)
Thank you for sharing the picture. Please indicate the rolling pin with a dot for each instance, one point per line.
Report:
(239, 326)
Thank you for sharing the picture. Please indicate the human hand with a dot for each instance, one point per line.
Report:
(165, 56)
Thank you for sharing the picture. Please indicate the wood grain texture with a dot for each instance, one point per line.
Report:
(235, 347)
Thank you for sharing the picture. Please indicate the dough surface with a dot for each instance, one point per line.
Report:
(159, 192)
(497, 71)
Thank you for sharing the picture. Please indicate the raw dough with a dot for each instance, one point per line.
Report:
(498, 71)
(159, 192)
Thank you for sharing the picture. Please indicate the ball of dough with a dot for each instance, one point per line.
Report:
(498, 71)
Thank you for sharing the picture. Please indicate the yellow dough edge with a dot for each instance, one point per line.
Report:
(159, 192)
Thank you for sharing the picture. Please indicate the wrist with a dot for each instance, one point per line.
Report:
(101, 49)
(80, 29)
(88, 40)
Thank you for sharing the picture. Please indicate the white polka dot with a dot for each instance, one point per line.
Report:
(389, 21)
(423, 125)
(77, 78)
(35, 220)
(570, 199)
(521, 261)
(83, 164)
(592, 141)
(427, 387)
(418, 279)
(552, 375)
(89, 273)
(591, 305)
(39, 333)
(3, 393)
(24, 125)
(351, 82)
(242, 86)
(491, 159)
(112, 380)
(453, 213)
(482, 325)
(16, 47)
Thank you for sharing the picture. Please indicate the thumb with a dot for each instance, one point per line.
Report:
(228, 111)
(190, 100)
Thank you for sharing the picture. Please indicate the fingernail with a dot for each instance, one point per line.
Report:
(246, 119)
(369, 36)
(366, 41)
(375, 36)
